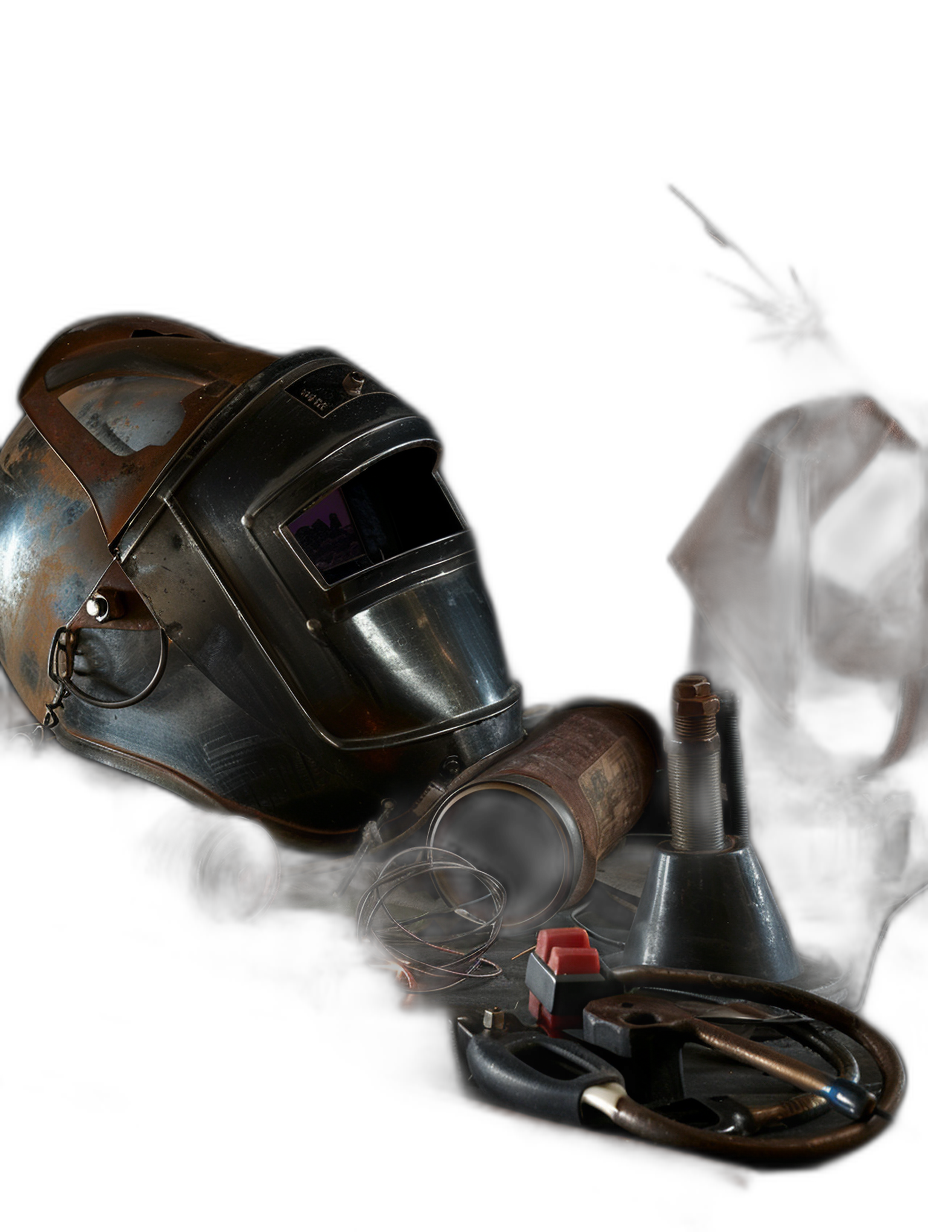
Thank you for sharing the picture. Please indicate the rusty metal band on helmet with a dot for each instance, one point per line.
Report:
(121, 347)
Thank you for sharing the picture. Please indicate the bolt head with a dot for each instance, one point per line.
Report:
(695, 685)
(696, 707)
(451, 767)
(105, 604)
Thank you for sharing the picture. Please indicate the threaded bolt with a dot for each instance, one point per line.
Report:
(694, 768)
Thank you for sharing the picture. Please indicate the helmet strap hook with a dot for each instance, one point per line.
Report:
(61, 671)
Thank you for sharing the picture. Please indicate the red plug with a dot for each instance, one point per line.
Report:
(567, 951)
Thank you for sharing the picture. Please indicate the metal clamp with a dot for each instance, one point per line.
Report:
(64, 644)
(570, 1079)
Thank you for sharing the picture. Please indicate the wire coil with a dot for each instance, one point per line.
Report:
(425, 943)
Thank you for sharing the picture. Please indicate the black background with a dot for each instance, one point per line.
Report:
(502, 249)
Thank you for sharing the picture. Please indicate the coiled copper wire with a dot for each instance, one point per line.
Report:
(411, 955)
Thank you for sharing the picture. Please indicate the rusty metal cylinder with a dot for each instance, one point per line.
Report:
(542, 816)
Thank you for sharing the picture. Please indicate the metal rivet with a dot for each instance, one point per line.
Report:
(104, 605)
(451, 767)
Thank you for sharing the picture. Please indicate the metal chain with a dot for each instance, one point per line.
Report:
(36, 732)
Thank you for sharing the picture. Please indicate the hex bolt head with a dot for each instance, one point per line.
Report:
(690, 707)
(693, 685)
(694, 708)
(494, 1019)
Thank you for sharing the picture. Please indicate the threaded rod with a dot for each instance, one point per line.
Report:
(739, 817)
(694, 768)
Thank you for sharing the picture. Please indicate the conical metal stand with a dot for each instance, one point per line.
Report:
(711, 911)
(706, 903)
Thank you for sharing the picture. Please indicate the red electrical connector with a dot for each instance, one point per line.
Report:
(567, 951)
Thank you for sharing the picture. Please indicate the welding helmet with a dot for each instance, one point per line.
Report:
(242, 576)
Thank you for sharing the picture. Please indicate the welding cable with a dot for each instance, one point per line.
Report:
(644, 1123)
(796, 1018)
(799, 1109)
(796, 1109)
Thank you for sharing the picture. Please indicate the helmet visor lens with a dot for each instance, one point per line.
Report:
(393, 506)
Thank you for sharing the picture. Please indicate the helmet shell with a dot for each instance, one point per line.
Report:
(282, 520)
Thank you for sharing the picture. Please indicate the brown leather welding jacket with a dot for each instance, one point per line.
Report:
(744, 559)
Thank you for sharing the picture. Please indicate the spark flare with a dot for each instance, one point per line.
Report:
(794, 314)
